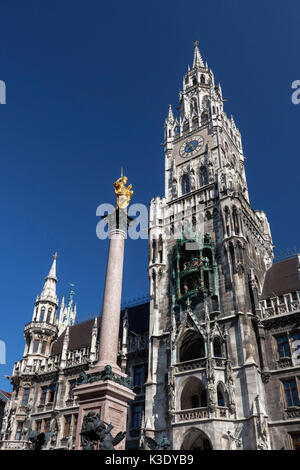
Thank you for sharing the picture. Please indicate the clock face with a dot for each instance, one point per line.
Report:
(191, 147)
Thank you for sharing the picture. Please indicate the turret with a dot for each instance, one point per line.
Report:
(42, 330)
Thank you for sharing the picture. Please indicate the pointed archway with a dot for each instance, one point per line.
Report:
(195, 439)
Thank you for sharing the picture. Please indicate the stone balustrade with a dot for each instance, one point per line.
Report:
(15, 445)
(190, 365)
(193, 414)
(196, 414)
(278, 307)
(293, 413)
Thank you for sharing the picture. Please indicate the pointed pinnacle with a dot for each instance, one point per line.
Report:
(170, 114)
(197, 62)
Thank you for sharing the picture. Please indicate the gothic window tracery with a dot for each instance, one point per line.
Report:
(203, 176)
(185, 184)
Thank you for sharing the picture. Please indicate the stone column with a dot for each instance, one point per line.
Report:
(110, 322)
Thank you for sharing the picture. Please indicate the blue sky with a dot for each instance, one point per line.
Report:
(88, 89)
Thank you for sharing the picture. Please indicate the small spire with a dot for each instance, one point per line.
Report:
(49, 289)
(52, 272)
(197, 62)
(170, 117)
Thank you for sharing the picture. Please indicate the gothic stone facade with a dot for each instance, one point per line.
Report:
(214, 354)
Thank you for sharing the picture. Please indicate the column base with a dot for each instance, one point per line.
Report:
(107, 398)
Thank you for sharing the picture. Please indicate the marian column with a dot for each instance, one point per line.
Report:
(104, 390)
(117, 225)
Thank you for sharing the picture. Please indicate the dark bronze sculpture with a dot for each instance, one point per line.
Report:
(95, 430)
(164, 443)
(39, 439)
(105, 374)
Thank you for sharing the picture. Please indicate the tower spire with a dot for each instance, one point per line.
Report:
(197, 62)
(170, 117)
(49, 289)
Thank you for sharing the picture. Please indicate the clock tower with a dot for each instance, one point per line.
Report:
(208, 254)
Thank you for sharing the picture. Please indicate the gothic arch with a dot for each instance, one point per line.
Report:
(222, 395)
(203, 176)
(195, 439)
(193, 394)
(185, 184)
(191, 346)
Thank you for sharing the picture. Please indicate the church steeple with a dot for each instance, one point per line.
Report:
(197, 62)
(49, 290)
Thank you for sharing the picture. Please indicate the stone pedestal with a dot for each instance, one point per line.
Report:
(107, 398)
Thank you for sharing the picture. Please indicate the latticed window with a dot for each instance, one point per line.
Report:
(52, 393)
(47, 424)
(38, 425)
(283, 346)
(137, 416)
(138, 376)
(67, 425)
(203, 176)
(291, 393)
(25, 396)
(185, 184)
(43, 395)
(19, 430)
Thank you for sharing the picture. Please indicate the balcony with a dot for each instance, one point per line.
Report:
(279, 309)
(190, 365)
(15, 445)
(196, 414)
(284, 362)
(40, 326)
(292, 413)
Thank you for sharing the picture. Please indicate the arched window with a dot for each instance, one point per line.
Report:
(195, 122)
(192, 347)
(194, 107)
(154, 288)
(186, 126)
(204, 117)
(194, 81)
(202, 80)
(193, 395)
(203, 176)
(42, 316)
(49, 315)
(220, 394)
(232, 256)
(235, 221)
(153, 251)
(185, 184)
(227, 221)
(160, 249)
(217, 347)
